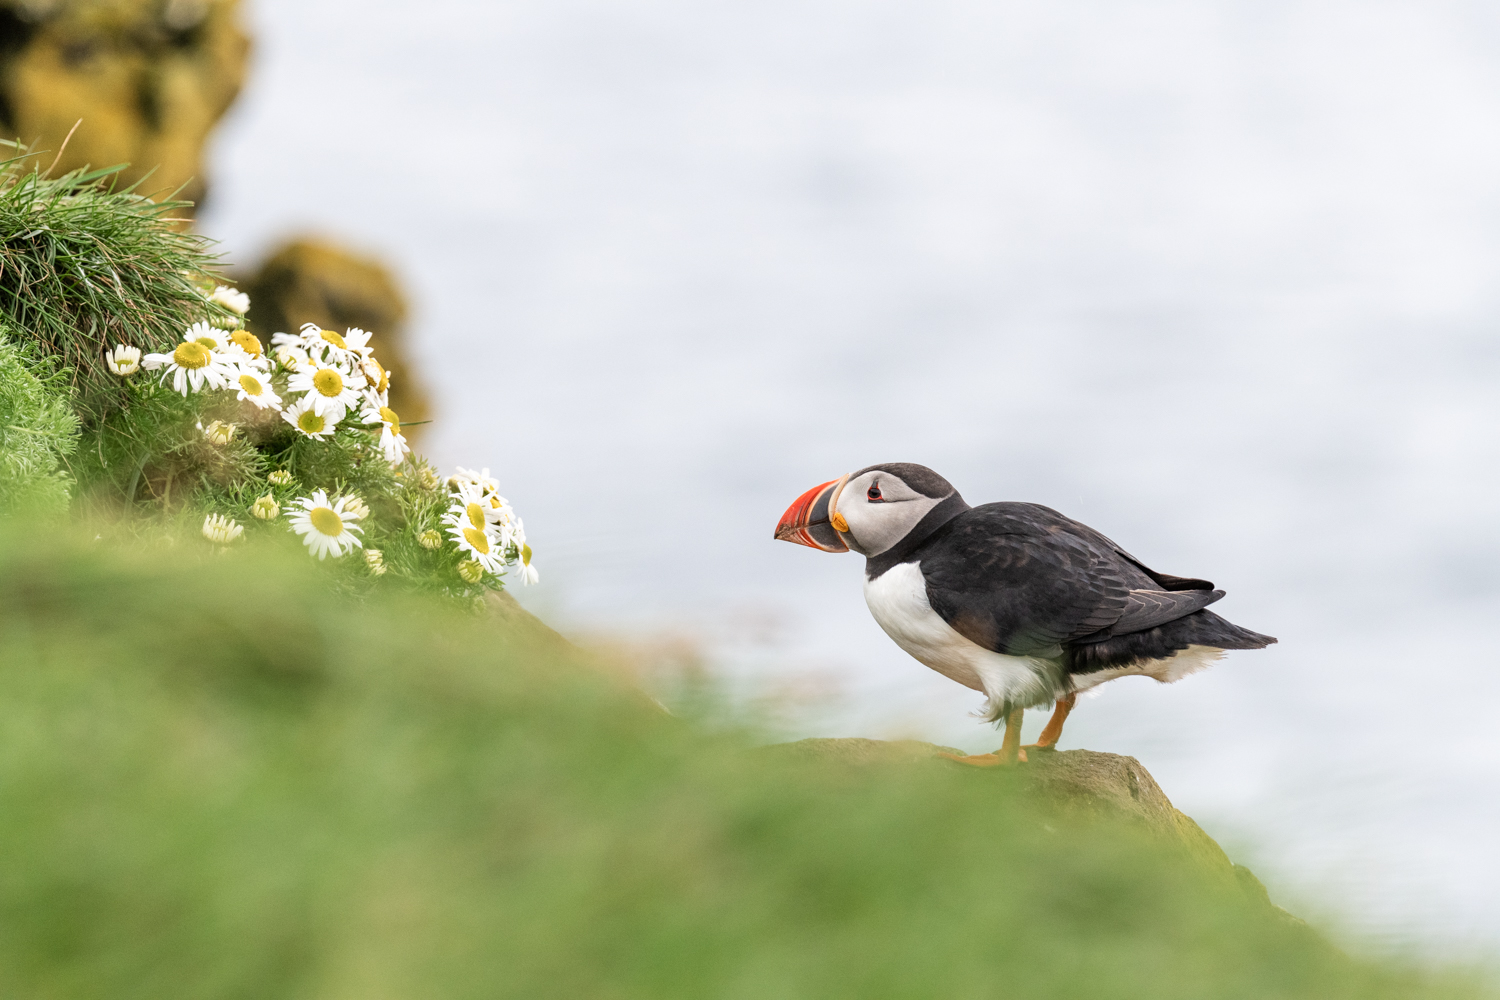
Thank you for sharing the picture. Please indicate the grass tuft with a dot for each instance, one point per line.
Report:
(85, 264)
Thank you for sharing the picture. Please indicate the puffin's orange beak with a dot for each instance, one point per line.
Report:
(806, 521)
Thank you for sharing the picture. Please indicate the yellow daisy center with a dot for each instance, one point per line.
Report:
(246, 341)
(478, 540)
(333, 339)
(326, 521)
(389, 416)
(311, 423)
(328, 382)
(476, 515)
(208, 342)
(526, 555)
(251, 384)
(191, 354)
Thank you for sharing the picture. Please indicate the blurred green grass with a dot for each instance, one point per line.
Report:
(219, 781)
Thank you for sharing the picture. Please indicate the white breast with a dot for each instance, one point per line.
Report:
(898, 600)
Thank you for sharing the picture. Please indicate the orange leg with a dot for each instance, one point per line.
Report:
(1010, 747)
(1053, 731)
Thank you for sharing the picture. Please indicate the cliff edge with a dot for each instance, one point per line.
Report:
(1071, 785)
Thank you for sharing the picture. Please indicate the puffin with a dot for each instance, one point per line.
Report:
(1014, 600)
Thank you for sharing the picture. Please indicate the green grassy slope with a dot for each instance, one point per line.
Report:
(218, 781)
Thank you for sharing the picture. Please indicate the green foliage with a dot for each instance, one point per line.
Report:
(37, 431)
(219, 781)
(84, 265)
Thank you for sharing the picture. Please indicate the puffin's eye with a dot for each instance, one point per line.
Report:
(874, 494)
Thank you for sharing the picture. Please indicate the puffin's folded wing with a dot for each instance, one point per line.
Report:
(1148, 608)
(1016, 586)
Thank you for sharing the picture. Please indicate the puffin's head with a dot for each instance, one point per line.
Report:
(867, 511)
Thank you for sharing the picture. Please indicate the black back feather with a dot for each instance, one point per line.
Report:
(1022, 579)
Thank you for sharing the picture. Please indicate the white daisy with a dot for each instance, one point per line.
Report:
(332, 345)
(309, 421)
(291, 358)
(247, 342)
(332, 388)
(481, 479)
(205, 333)
(255, 385)
(289, 350)
(199, 360)
(357, 341)
(230, 299)
(378, 378)
(326, 528)
(123, 360)
(500, 511)
(221, 530)
(471, 504)
(370, 399)
(392, 441)
(528, 573)
(471, 532)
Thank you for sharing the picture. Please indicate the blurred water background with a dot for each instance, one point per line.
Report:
(1219, 279)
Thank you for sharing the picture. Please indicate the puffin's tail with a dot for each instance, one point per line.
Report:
(1201, 628)
(1204, 628)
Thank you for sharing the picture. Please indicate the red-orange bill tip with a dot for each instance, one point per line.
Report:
(806, 520)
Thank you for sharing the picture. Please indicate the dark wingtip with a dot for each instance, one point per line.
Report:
(1169, 582)
(1259, 641)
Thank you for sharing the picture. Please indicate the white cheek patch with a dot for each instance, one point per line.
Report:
(874, 526)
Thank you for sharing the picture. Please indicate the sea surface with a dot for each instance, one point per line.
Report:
(1221, 279)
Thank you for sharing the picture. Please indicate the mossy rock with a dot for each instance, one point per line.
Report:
(144, 81)
(1071, 785)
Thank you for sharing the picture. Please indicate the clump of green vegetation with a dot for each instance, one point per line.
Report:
(192, 429)
(37, 432)
(217, 780)
(84, 266)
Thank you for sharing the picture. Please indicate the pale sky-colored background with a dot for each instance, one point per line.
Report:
(1221, 279)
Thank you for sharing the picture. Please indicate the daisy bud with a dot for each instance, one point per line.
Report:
(357, 507)
(221, 530)
(427, 479)
(220, 433)
(266, 508)
(471, 571)
(430, 539)
(123, 360)
(375, 559)
(280, 477)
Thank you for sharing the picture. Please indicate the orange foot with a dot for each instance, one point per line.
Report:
(985, 759)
